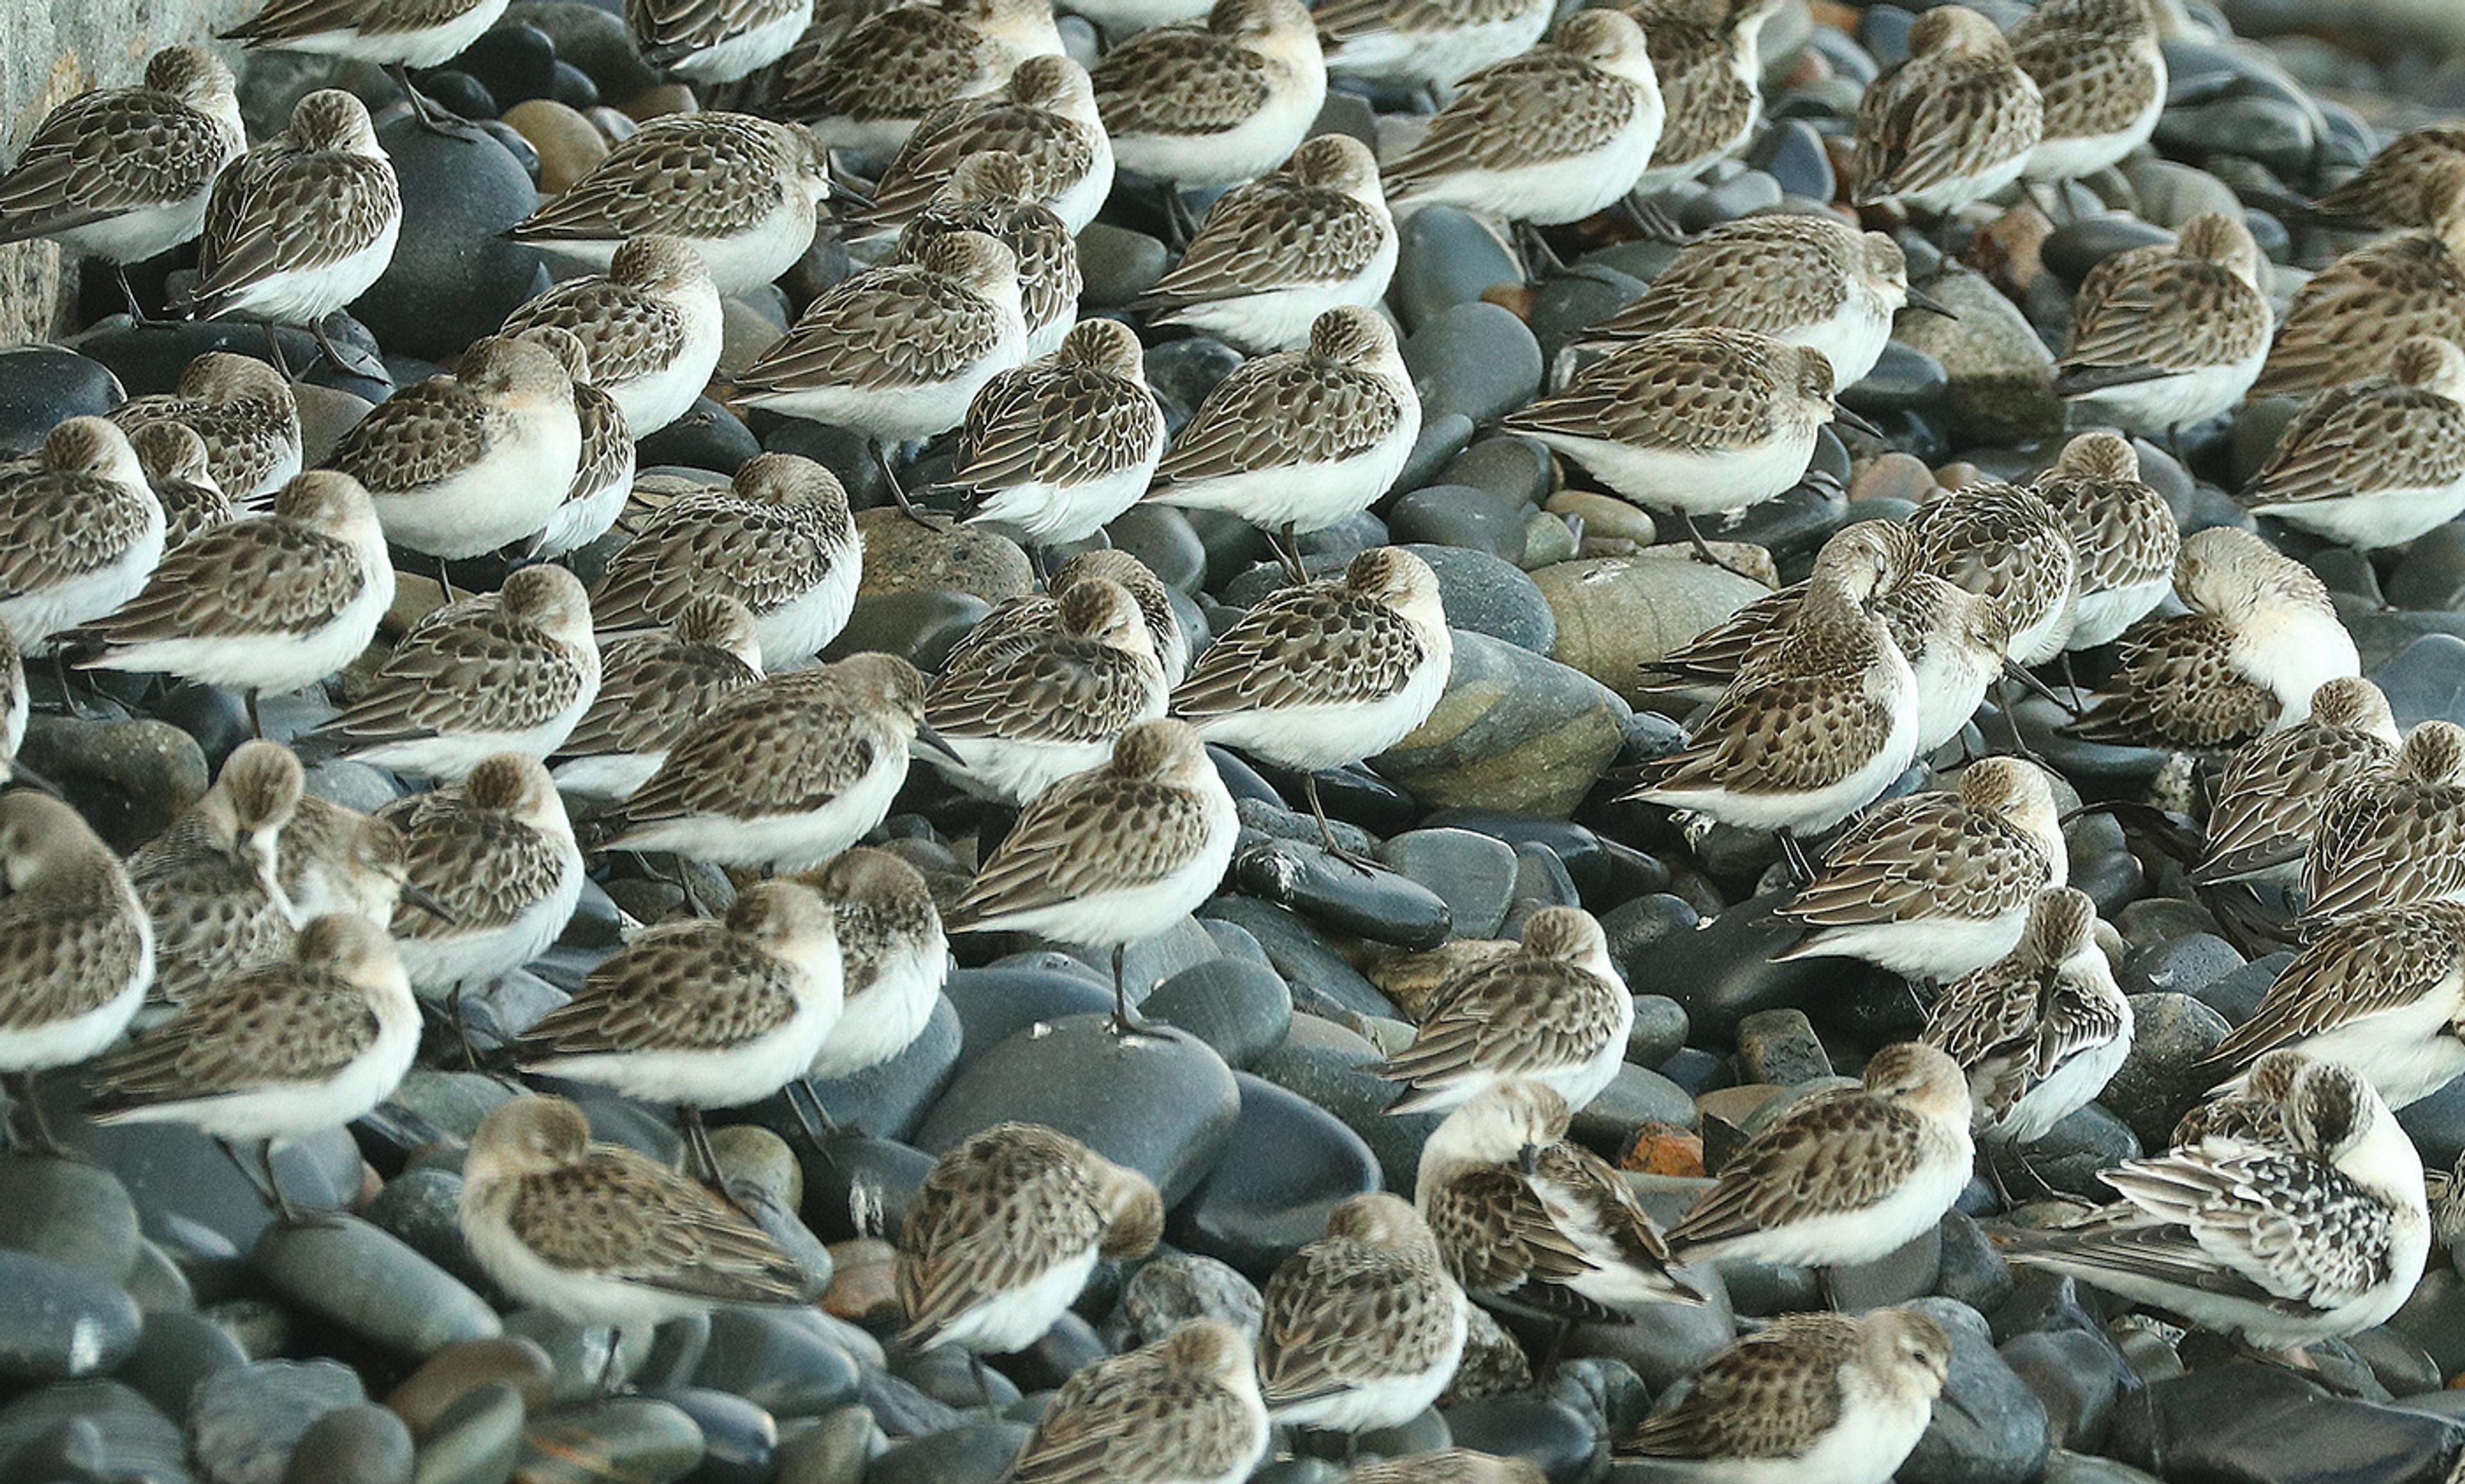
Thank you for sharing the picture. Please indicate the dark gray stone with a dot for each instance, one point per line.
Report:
(1241, 1009)
(58, 1322)
(371, 1283)
(1475, 873)
(1446, 257)
(1997, 1436)
(1476, 359)
(44, 385)
(244, 1424)
(453, 277)
(1288, 1163)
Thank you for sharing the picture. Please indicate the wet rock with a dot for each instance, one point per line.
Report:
(2000, 375)
(1379, 904)
(244, 1424)
(636, 1439)
(1476, 358)
(74, 1214)
(353, 1445)
(371, 1283)
(453, 277)
(58, 1322)
(1241, 1009)
(1446, 257)
(1288, 1165)
(2157, 1081)
(1514, 731)
(44, 385)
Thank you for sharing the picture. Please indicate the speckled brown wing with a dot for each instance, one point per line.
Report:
(2412, 850)
(697, 175)
(56, 526)
(762, 751)
(1179, 79)
(1271, 234)
(63, 957)
(1053, 420)
(1719, 651)
(2091, 81)
(1062, 690)
(615, 1212)
(1925, 856)
(1928, 121)
(1987, 1023)
(2163, 313)
(1709, 106)
(2375, 435)
(2122, 531)
(2371, 963)
(2178, 688)
(1511, 1014)
(1280, 411)
(1572, 1175)
(1013, 625)
(267, 576)
(1497, 1237)
(626, 335)
(1339, 1313)
(2269, 798)
(652, 690)
(1056, 151)
(244, 438)
(210, 915)
(997, 1213)
(1779, 733)
(444, 840)
(1146, 826)
(669, 31)
(283, 20)
(716, 542)
(2001, 541)
(1134, 1419)
(891, 327)
(1833, 1151)
(1049, 280)
(2389, 191)
(288, 212)
(1543, 105)
(480, 670)
(419, 435)
(1311, 646)
(1769, 1396)
(1725, 383)
(1758, 273)
(898, 65)
(2344, 320)
(1343, 20)
(104, 153)
(282, 1023)
(681, 986)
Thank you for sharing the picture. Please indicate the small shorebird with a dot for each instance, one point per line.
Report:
(77, 955)
(1115, 855)
(893, 959)
(1423, 47)
(1183, 1410)
(2041, 1030)
(1056, 449)
(2280, 1247)
(596, 1233)
(993, 192)
(395, 36)
(174, 462)
(1021, 719)
(743, 193)
(301, 225)
(2376, 462)
(243, 409)
(714, 44)
(604, 467)
(649, 325)
(1213, 103)
(2125, 538)
(210, 885)
(1809, 1399)
(1015, 622)
(267, 604)
(1842, 1176)
(2167, 336)
(867, 88)
(84, 528)
(272, 1055)
(1363, 1328)
(2394, 189)
(2267, 802)
(1954, 123)
(2407, 283)
(2381, 991)
(2103, 78)
(1708, 57)
(1046, 115)
(124, 173)
(1529, 1221)
(1937, 885)
(2393, 837)
(703, 1013)
(653, 687)
(1553, 1012)
(1299, 440)
(1326, 673)
(1004, 1232)
(2007, 542)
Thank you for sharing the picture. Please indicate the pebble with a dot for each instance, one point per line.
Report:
(453, 277)
(1242, 1010)
(1119, 264)
(59, 1323)
(973, 1453)
(42, 385)
(2159, 1079)
(903, 556)
(74, 1214)
(1999, 376)
(371, 1284)
(353, 1445)
(2271, 1427)
(1514, 731)
(2002, 1440)
(568, 144)
(1446, 257)
(639, 1440)
(1474, 359)
(244, 1424)
(1288, 1164)
(1616, 615)
(1329, 1065)
(116, 1433)
(1454, 516)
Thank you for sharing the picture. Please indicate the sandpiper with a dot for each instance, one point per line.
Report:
(1808, 280)
(510, 671)
(243, 409)
(302, 224)
(1183, 1410)
(743, 193)
(1528, 1220)
(780, 541)
(124, 173)
(715, 44)
(209, 883)
(1020, 720)
(787, 772)
(651, 325)
(2103, 78)
(1937, 885)
(2266, 802)
(1954, 123)
(1299, 440)
(333, 859)
(868, 88)
(603, 474)
(1016, 622)
(1843, 1176)
(1111, 855)
(1004, 1232)
(2394, 189)
(2166, 336)
(2381, 991)
(1551, 136)
(2409, 283)
(272, 1055)
(2123, 536)
(1363, 1328)
(2377, 462)
(391, 36)
(703, 1013)
(176, 471)
(2282, 1247)
(76, 954)
(1276, 253)
(893, 959)
(1708, 57)
(995, 193)
(1555, 1012)
(1427, 48)
(2392, 836)
(2041, 1030)
(653, 687)
(1056, 449)
(1046, 115)
(1809, 1399)
(2007, 542)
(1448, 1466)
(1214, 103)
(267, 604)
(85, 531)
(465, 463)
(2261, 636)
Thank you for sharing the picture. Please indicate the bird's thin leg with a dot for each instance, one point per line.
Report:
(274, 344)
(1124, 1020)
(36, 1138)
(2003, 697)
(1704, 549)
(697, 1149)
(255, 722)
(1288, 552)
(898, 491)
(1326, 829)
(137, 315)
(432, 118)
(1794, 852)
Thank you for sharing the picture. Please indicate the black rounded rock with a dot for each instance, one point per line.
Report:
(514, 62)
(1240, 1007)
(459, 94)
(1290, 1164)
(43, 386)
(453, 277)
(1376, 904)
(1000, 999)
(708, 436)
(58, 1323)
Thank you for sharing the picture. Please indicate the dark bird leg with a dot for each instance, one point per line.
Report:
(1125, 1022)
(1539, 257)
(1794, 852)
(35, 1138)
(1288, 552)
(255, 722)
(1326, 829)
(697, 1150)
(1179, 225)
(898, 492)
(433, 118)
(1704, 549)
(137, 315)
